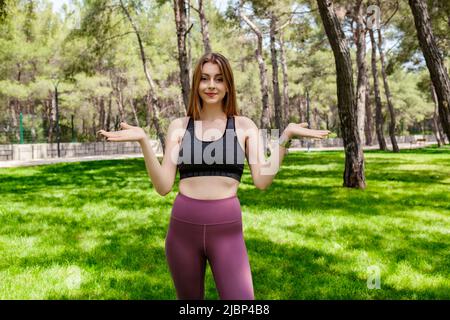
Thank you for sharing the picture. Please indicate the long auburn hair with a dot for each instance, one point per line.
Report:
(229, 100)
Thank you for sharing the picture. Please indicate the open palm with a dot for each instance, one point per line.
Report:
(301, 130)
(128, 133)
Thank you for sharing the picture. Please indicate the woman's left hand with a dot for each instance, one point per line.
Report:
(301, 130)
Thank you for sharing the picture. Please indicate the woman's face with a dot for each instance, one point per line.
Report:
(212, 88)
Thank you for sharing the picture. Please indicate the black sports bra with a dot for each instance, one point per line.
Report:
(222, 157)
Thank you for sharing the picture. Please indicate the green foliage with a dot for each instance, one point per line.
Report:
(4, 10)
(90, 51)
(410, 103)
(408, 49)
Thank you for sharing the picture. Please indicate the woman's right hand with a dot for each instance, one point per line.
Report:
(128, 133)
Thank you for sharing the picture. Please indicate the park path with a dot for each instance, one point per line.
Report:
(37, 162)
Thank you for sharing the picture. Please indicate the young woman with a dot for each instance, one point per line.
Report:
(208, 148)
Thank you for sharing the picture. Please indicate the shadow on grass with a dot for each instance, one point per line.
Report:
(392, 243)
(298, 187)
(121, 261)
(293, 272)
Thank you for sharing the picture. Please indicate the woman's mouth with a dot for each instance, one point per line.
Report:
(211, 94)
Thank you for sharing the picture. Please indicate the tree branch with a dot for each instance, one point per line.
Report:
(284, 25)
(395, 11)
(195, 9)
(189, 29)
(251, 24)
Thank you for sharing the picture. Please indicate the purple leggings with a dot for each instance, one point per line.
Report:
(201, 230)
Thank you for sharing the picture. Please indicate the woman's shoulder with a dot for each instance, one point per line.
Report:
(244, 123)
(177, 128)
(179, 123)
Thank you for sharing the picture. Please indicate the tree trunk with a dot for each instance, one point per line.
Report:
(438, 72)
(436, 129)
(308, 109)
(33, 129)
(265, 117)
(360, 39)
(108, 117)
(286, 115)
(354, 157)
(94, 128)
(119, 99)
(133, 109)
(441, 131)
(16, 108)
(189, 45)
(387, 92)
(58, 127)
(300, 108)
(276, 86)
(52, 118)
(315, 117)
(265, 114)
(376, 90)
(13, 116)
(369, 122)
(204, 27)
(154, 104)
(181, 26)
(102, 113)
(147, 110)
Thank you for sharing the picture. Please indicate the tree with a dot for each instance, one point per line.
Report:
(368, 118)
(438, 72)
(268, 19)
(354, 159)
(361, 84)
(276, 87)
(387, 91)
(102, 21)
(265, 119)
(286, 113)
(376, 89)
(436, 128)
(179, 7)
(102, 83)
(155, 105)
(204, 28)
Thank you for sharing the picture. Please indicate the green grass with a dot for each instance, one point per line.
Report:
(307, 236)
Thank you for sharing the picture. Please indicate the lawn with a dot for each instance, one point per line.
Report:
(96, 230)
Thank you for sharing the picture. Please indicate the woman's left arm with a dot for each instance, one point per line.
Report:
(264, 170)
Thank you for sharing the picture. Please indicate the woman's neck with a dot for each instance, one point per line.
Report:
(212, 112)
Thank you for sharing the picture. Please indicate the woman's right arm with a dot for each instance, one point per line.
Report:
(162, 174)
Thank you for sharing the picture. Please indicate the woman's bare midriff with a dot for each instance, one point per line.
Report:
(209, 187)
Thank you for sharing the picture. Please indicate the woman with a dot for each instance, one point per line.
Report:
(208, 148)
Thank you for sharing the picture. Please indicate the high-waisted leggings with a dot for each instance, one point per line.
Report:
(201, 230)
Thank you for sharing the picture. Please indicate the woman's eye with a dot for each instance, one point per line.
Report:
(218, 80)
